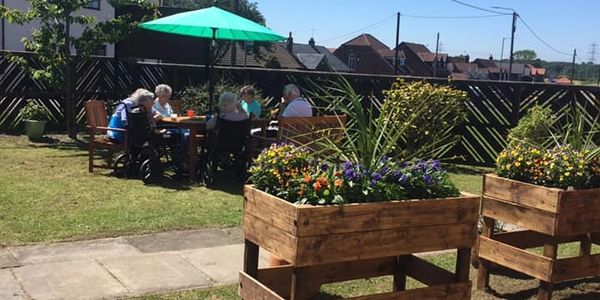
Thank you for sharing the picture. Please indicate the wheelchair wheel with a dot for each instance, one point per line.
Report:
(206, 173)
(150, 171)
(121, 166)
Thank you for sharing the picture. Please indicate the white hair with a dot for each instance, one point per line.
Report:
(290, 89)
(142, 96)
(228, 102)
(163, 90)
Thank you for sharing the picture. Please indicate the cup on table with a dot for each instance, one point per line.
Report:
(191, 113)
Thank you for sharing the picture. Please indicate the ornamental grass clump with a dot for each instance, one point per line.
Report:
(561, 166)
(287, 172)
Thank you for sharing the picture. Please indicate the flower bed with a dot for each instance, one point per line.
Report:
(340, 222)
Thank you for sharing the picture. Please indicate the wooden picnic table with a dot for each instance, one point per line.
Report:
(197, 127)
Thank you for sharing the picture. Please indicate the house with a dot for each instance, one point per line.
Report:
(489, 66)
(419, 61)
(11, 34)
(519, 72)
(261, 55)
(537, 74)
(366, 54)
(314, 57)
(461, 68)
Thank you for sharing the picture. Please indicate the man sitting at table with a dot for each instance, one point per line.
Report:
(293, 105)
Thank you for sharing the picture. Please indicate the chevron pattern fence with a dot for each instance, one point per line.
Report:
(494, 107)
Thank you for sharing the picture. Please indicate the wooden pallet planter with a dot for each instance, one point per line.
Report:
(551, 216)
(326, 244)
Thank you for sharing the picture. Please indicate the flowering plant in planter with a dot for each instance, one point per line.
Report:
(287, 172)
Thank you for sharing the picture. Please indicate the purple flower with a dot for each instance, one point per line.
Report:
(347, 165)
(403, 179)
(376, 176)
(427, 179)
(350, 175)
(324, 167)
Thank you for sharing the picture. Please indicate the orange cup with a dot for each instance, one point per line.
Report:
(190, 113)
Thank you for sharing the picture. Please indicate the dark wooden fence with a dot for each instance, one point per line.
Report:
(494, 107)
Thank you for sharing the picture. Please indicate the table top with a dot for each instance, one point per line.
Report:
(184, 120)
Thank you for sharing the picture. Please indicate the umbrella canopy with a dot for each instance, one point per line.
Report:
(201, 23)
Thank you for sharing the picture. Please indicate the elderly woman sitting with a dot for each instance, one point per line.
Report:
(229, 109)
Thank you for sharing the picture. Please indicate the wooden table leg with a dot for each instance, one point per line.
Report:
(300, 284)
(483, 276)
(192, 153)
(250, 258)
(545, 289)
(463, 262)
(400, 273)
(585, 246)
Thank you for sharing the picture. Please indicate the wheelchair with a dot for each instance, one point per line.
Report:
(149, 150)
(226, 148)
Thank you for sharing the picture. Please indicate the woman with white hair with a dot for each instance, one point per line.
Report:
(119, 118)
(229, 109)
(163, 94)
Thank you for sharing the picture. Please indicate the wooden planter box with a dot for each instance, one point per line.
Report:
(336, 243)
(550, 216)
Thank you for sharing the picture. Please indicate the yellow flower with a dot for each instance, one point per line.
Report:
(517, 164)
(567, 173)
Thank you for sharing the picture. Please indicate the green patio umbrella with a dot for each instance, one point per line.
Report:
(215, 24)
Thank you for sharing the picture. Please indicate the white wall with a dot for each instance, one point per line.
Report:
(14, 33)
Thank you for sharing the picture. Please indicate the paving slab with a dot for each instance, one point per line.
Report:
(183, 240)
(156, 272)
(7, 259)
(81, 279)
(69, 251)
(9, 286)
(221, 264)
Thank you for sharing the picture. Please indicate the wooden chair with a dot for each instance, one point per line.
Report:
(97, 123)
(308, 132)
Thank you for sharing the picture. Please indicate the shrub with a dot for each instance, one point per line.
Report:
(285, 171)
(34, 111)
(432, 112)
(533, 129)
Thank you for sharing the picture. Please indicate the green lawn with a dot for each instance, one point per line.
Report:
(47, 194)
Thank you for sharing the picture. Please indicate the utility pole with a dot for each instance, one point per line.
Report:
(573, 65)
(437, 46)
(592, 52)
(501, 58)
(512, 36)
(233, 47)
(397, 42)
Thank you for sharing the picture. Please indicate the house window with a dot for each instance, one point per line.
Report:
(93, 4)
(401, 60)
(352, 60)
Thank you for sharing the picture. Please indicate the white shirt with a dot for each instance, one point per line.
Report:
(298, 107)
(165, 111)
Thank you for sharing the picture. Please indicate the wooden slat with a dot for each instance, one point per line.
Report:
(331, 248)
(275, 211)
(278, 279)
(386, 215)
(514, 258)
(529, 239)
(526, 194)
(456, 291)
(576, 267)
(251, 289)
(427, 273)
(580, 201)
(531, 218)
(275, 240)
(578, 222)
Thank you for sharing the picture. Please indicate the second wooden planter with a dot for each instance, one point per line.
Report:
(326, 244)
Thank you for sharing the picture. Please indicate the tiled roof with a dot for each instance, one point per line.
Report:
(416, 48)
(516, 68)
(366, 39)
(334, 63)
(262, 56)
(429, 57)
(485, 63)
(310, 60)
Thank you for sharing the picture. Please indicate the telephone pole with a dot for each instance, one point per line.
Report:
(512, 37)
(397, 41)
(573, 66)
(437, 46)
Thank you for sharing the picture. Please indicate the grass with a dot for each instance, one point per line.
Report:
(47, 194)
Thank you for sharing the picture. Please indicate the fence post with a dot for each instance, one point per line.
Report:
(516, 103)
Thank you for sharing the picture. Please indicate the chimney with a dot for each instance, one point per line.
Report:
(290, 43)
(311, 42)
(467, 58)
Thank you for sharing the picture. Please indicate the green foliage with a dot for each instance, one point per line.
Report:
(524, 55)
(577, 132)
(534, 128)
(427, 115)
(33, 111)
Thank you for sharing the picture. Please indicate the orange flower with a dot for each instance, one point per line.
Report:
(317, 185)
(307, 178)
(338, 183)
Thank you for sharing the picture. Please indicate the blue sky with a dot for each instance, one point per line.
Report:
(563, 24)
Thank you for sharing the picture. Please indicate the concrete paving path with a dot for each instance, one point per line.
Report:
(122, 267)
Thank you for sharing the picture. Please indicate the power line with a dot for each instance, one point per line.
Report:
(450, 17)
(359, 30)
(479, 8)
(541, 40)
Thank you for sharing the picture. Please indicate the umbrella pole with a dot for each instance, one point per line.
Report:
(209, 67)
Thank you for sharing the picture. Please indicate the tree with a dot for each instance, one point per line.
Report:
(51, 42)
(524, 55)
(246, 9)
